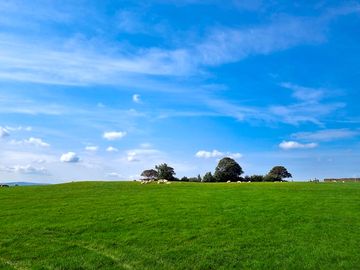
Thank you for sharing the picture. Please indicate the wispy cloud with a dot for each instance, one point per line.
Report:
(19, 128)
(26, 169)
(309, 108)
(226, 45)
(326, 135)
(77, 64)
(84, 62)
(31, 141)
(302, 113)
(139, 154)
(306, 94)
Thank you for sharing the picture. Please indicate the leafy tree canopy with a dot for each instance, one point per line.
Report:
(208, 177)
(278, 173)
(149, 174)
(165, 172)
(227, 169)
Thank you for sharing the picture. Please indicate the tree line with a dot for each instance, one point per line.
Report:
(226, 170)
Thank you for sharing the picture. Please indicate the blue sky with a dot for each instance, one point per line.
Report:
(105, 89)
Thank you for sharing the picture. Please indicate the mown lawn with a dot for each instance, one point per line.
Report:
(123, 225)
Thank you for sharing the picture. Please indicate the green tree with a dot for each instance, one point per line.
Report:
(208, 177)
(149, 174)
(184, 179)
(278, 173)
(257, 178)
(165, 172)
(227, 169)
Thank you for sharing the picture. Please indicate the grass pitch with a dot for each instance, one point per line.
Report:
(125, 225)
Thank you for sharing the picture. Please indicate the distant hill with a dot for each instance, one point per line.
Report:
(24, 184)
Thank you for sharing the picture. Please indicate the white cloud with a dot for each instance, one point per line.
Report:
(4, 132)
(69, 157)
(114, 135)
(326, 135)
(288, 145)
(208, 154)
(31, 141)
(92, 148)
(216, 153)
(136, 98)
(27, 169)
(112, 149)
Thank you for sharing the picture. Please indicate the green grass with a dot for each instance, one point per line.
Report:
(122, 225)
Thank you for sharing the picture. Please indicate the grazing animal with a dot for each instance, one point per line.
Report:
(162, 181)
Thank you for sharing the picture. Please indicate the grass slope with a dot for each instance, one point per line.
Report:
(102, 225)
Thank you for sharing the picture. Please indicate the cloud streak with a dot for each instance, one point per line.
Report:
(26, 169)
(326, 135)
(86, 62)
(31, 141)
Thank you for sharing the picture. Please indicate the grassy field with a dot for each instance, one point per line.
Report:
(122, 225)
